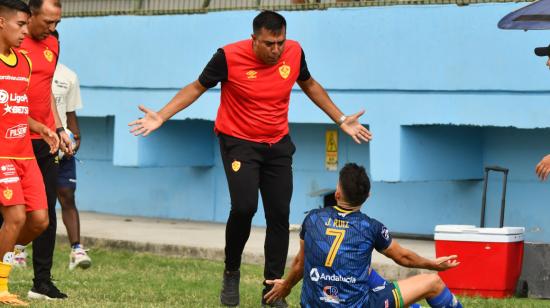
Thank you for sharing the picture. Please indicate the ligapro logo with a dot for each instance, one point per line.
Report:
(314, 275)
(4, 96)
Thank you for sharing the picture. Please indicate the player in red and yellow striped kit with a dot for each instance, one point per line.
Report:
(22, 194)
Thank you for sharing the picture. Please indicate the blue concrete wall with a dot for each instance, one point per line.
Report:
(445, 91)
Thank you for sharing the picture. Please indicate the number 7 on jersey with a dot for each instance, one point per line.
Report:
(339, 237)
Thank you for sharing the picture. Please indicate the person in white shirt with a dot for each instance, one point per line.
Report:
(66, 91)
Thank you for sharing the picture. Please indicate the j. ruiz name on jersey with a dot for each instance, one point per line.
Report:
(337, 223)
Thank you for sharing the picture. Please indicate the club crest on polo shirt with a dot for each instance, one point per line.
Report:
(48, 54)
(284, 70)
(236, 165)
(251, 74)
(8, 194)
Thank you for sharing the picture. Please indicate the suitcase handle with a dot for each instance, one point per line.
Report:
(484, 198)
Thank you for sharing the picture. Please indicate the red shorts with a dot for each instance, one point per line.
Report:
(21, 183)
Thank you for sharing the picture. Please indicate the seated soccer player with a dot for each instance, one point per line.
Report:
(335, 256)
(22, 194)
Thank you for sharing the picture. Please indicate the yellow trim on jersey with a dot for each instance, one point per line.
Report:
(24, 54)
(10, 60)
(28, 59)
(16, 158)
(341, 210)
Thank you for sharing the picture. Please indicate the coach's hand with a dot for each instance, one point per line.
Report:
(352, 127)
(146, 125)
(51, 139)
(445, 263)
(543, 168)
(280, 290)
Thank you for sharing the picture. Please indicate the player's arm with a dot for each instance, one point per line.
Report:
(408, 258)
(64, 140)
(47, 134)
(282, 287)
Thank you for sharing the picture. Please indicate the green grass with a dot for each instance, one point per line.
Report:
(126, 279)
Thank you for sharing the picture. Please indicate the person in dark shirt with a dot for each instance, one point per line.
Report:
(257, 76)
(335, 257)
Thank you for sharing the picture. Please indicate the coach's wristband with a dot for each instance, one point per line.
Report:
(59, 130)
(341, 120)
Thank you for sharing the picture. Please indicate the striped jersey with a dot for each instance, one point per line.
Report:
(338, 247)
(15, 71)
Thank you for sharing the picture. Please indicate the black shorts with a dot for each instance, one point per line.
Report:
(67, 173)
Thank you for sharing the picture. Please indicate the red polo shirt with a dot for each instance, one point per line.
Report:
(43, 55)
(254, 95)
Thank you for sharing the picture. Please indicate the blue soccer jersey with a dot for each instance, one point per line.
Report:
(338, 249)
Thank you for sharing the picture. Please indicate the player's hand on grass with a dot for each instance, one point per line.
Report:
(146, 125)
(445, 263)
(352, 127)
(51, 138)
(543, 168)
(65, 143)
(280, 290)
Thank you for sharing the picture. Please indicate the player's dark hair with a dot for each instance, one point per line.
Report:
(36, 5)
(13, 6)
(269, 20)
(355, 184)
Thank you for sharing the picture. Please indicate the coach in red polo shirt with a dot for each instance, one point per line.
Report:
(42, 48)
(257, 76)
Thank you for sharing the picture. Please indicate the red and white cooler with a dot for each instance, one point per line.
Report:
(490, 259)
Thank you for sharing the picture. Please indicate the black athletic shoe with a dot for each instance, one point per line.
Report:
(45, 290)
(230, 288)
(280, 303)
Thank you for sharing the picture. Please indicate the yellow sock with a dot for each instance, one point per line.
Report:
(5, 269)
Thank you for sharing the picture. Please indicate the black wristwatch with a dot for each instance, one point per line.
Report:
(59, 130)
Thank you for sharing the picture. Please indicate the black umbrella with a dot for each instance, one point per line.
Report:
(535, 16)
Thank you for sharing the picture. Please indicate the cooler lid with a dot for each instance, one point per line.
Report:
(470, 229)
(453, 228)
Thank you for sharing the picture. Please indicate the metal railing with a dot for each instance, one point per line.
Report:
(74, 8)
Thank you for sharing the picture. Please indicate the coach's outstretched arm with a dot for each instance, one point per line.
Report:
(153, 120)
(408, 258)
(349, 124)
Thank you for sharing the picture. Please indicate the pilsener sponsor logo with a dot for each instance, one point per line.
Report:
(315, 276)
(18, 131)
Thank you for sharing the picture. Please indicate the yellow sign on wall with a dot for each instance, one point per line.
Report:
(331, 150)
